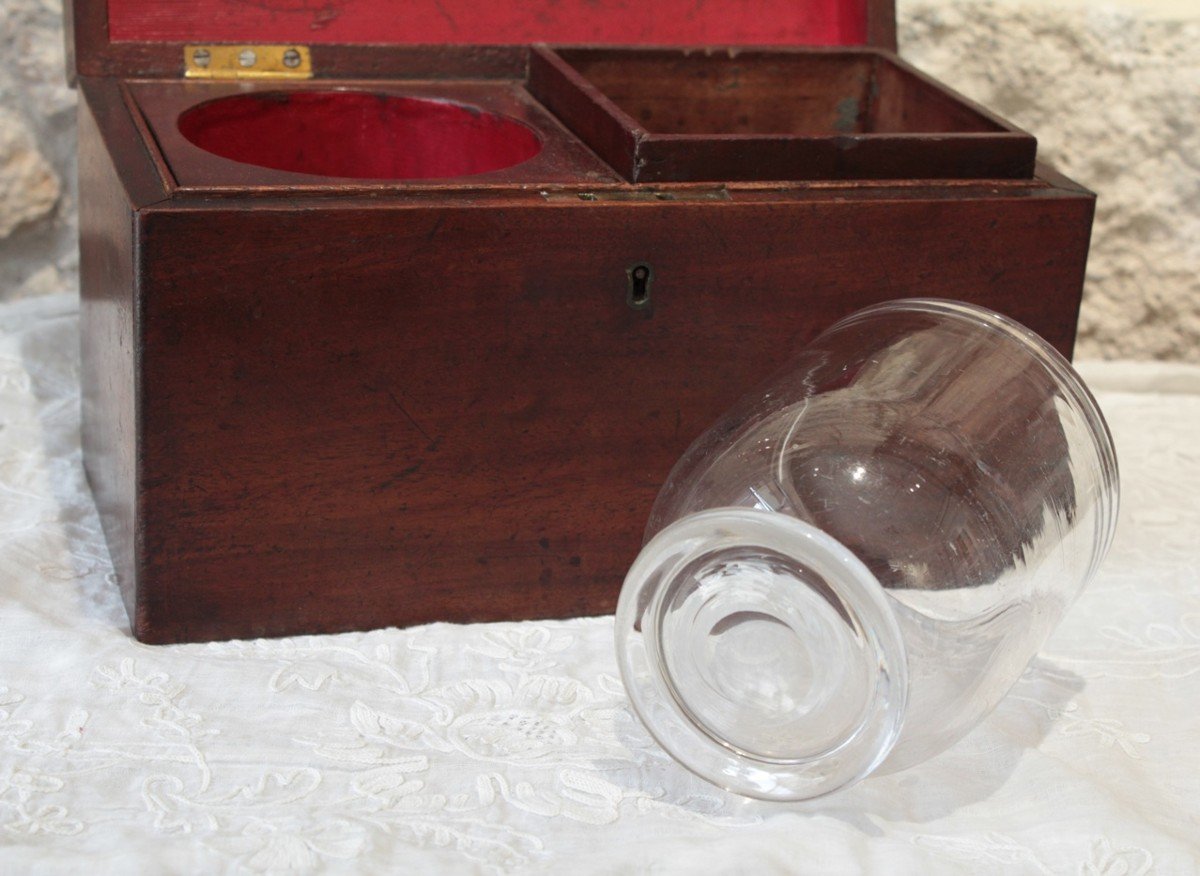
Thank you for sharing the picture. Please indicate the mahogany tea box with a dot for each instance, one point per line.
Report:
(400, 313)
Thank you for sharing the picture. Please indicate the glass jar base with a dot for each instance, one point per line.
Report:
(761, 654)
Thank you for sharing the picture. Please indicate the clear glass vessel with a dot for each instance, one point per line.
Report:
(854, 565)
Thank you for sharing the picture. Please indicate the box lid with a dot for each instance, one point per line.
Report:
(448, 37)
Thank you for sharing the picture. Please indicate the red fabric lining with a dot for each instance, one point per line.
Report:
(358, 135)
(616, 22)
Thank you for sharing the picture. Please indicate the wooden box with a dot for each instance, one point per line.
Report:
(396, 313)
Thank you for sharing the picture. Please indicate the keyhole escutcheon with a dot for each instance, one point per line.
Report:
(641, 276)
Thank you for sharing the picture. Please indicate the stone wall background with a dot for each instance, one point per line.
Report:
(37, 152)
(1111, 89)
(1112, 92)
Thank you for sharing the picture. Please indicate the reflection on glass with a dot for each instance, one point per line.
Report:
(853, 566)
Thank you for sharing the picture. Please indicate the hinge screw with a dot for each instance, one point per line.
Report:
(291, 58)
(201, 57)
(247, 58)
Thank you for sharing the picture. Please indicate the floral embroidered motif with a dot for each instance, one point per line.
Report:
(1108, 861)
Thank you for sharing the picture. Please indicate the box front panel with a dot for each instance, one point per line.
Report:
(363, 416)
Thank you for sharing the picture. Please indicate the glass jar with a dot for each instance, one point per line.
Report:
(852, 567)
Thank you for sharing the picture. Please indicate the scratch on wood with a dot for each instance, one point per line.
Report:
(437, 226)
(400, 407)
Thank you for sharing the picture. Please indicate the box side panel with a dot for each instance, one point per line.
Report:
(1074, 258)
(358, 416)
(108, 346)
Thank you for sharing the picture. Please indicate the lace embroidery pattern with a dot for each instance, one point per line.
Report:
(511, 747)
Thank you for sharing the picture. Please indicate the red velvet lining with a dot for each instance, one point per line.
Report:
(612, 22)
(358, 135)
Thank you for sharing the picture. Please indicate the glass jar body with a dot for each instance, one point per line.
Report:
(854, 565)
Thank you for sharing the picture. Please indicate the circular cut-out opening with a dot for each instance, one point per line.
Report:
(358, 135)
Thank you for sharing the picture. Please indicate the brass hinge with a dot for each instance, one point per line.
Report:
(247, 62)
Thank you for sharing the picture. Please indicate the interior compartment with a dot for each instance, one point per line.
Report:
(335, 135)
(810, 94)
(680, 114)
(358, 135)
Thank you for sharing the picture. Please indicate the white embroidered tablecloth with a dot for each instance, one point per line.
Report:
(511, 747)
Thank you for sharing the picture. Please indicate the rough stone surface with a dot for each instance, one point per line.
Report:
(37, 151)
(1111, 91)
(1113, 95)
(28, 186)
